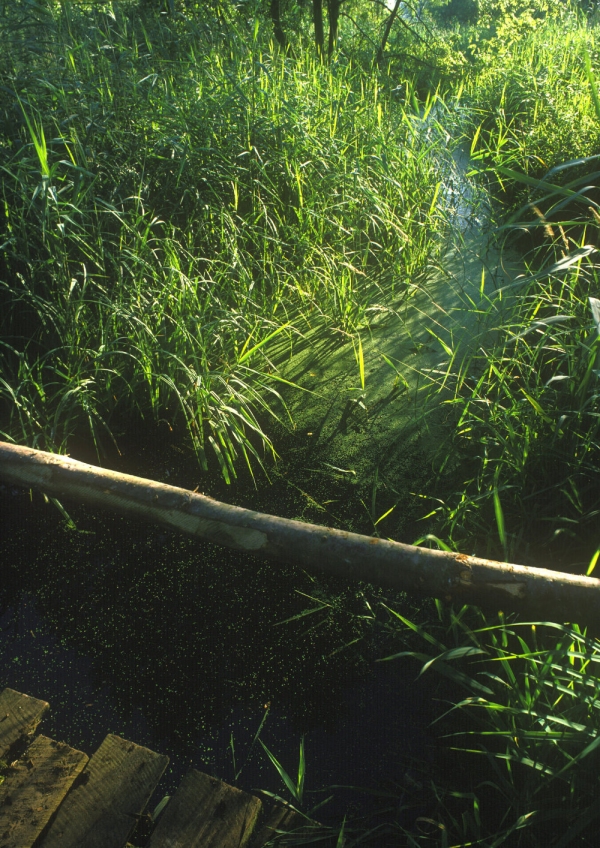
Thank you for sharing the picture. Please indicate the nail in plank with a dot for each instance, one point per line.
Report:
(104, 804)
(33, 789)
(19, 717)
(206, 813)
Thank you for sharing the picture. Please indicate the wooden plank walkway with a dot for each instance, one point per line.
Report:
(206, 813)
(52, 796)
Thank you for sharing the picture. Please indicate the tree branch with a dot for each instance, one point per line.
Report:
(539, 592)
(386, 32)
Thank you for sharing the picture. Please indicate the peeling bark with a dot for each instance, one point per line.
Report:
(538, 592)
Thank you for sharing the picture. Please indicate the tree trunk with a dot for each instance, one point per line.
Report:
(318, 23)
(277, 26)
(550, 595)
(386, 32)
(333, 10)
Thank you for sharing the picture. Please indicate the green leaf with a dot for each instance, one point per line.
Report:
(301, 614)
(160, 807)
(592, 82)
(453, 654)
(341, 841)
(289, 783)
(537, 407)
(296, 790)
(301, 772)
(429, 537)
(246, 354)
(443, 669)
(499, 517)
(416, 628)
(475, 140)
(385, 514)
(532, 181)
(582, 754)
(557, 268)
(593, 562)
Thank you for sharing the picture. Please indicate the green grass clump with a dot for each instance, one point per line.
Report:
(181, 202)
(525, 427)
(525, 730)
(531, 95)
(522, 454)
(176, 198)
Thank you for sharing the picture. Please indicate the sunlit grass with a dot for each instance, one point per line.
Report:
(174, 202)
(531, 96)
(524, 437)
(179, 200)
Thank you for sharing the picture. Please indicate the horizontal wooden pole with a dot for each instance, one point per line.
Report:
(538, 592)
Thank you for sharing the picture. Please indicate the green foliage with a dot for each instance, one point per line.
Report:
(526, 730)
(518, 16)
(522, 454)
(456, 11)
(177, 201)
(181, 201)
(524, 404)
(294, 787)
(531, 94)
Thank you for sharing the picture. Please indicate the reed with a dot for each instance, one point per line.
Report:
(178, 198)
(525, 724)
(181, 203)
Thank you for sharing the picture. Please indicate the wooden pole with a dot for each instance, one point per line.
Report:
(538, 592)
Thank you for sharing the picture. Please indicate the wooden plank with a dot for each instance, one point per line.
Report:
(19, 718)
(104, 804)
(280, 819)
(206, 813)
(33, 789)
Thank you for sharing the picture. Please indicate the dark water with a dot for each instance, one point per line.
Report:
(177, 645)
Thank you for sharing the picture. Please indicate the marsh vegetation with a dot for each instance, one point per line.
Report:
(341, 279)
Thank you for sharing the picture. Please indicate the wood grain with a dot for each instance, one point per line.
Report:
(19, 718)
(104, 804)
(206, 813)
(33, 789)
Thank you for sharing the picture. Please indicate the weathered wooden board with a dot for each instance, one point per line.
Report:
(19, 717)
(33, 789)
(279, 819)
(206, 813)
(106, 801)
